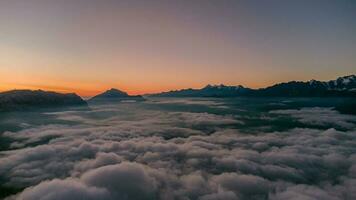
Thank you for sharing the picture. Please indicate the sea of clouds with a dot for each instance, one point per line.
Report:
(134, 151)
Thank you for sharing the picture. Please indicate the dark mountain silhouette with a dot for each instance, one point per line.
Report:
(207, 91)
(341, 87)
(22, 99)
(343, 83)
(115, 95)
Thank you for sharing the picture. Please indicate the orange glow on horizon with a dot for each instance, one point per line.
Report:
(92, 89)
(85, 92)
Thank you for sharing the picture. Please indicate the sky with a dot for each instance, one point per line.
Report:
(87, 46)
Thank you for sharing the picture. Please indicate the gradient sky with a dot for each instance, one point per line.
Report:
(87, 46)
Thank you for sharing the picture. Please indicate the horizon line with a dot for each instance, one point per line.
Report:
(67, 91)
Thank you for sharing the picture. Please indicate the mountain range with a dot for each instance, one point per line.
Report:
(23, 99)
(341, 87)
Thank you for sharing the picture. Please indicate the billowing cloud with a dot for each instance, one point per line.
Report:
(157, 154)
(125, 180)
(63, 189)
(320, 116)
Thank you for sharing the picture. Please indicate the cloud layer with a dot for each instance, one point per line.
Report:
(141, 153)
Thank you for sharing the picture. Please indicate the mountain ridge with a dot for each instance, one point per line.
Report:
(342, 86)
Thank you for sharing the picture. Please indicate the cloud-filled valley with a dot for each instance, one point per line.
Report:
(183, 149)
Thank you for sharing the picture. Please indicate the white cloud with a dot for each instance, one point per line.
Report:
(320, 116)
(162, 155)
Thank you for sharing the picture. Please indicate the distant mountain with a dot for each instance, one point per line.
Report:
(115, 95)
(22, 99)
(343, 87)
(207, 91)
(343, 83)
